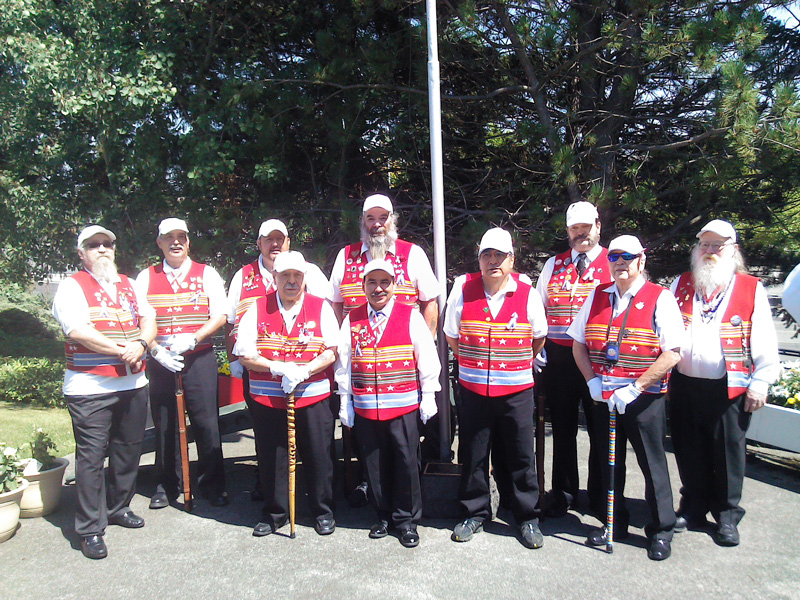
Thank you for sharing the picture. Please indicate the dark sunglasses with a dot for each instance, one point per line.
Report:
(626, 256)
(94, 245)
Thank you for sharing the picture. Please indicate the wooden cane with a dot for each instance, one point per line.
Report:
(292, 462)
(612, 460)
(540, 432)
(184, 444)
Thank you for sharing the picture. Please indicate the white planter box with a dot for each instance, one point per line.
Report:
(776, 426)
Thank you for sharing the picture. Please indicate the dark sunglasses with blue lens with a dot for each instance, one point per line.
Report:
(626, 256)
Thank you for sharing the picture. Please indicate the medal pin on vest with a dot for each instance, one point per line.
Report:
(747, 362)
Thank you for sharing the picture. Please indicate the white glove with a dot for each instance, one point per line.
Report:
(237, 370)
(427, 408)
(347, 414)
(167, 359)
(277, 368)
(540, 361)
(596, 388)
(181, 343)
(624, 396)
(294, 375)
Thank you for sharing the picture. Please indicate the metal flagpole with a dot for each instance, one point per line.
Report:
(437, 197)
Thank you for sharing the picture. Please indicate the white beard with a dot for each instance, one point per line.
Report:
(379, 245)
(105, 271)
(711, 275)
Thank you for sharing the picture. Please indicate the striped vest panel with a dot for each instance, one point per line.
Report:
(566, 292)
(182, 311)
(495, 355)
(301, 345)
(639, 343)
(735, 339)
(252, 288)
(383, 375)
(352, 286)
(116, 318)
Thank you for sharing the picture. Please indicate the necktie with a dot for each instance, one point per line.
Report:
(581, 266)
(378, 323)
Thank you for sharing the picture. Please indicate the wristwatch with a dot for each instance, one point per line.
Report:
(143, 343)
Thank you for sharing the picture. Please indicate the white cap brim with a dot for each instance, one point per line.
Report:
(172, 224)
(496, 239)
(271, 225)
(626, 243)
(720, 227)
(290, 261)
(92, 230)
(378, 201)
(379, 264)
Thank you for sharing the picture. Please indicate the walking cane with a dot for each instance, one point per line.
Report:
(540, 398)
(292, 462)
(184, 444)
(612, 460)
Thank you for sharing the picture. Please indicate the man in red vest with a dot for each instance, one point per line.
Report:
(727, 365)
(388, 369)
(190, 304)
(564, 283)
(627, 337)
(108, 326)
(287, 341)
(495, 325)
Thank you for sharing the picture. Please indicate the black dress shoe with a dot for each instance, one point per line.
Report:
(325, 526)
(127, 519)
(159, 500)
(464, 531)
(94, 547)
(531, 535)
(409, 538)
(659, 549)
(267, 527)
(219, 499)
(359, 497)
(379, 530)
(726, 535)
(597, 536)
(683, 522)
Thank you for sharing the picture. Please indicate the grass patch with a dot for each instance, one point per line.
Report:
(17, 422)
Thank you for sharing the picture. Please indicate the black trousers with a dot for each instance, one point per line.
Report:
(512, 418)
(708, 432)
(644, 424)
(200, 392)
(109, 425)
(565, 389)
(391, 454)
(314, 433)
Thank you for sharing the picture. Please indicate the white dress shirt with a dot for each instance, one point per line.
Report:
(455, 306)
(248, 327)
(419, 273)
(668, 320)
(549, 266)
(701, 353)
(425, 353)
(71, 310)
(316, 285)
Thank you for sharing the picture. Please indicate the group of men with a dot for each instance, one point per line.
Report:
(612, 339)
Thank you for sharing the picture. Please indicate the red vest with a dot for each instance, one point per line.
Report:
(116, 318)
(735, 339)
(383, 375)
(566, 292)
(252, 288)
(352, 286)
(495, 355)
(639, 344)
(301, 345)
(184, 311)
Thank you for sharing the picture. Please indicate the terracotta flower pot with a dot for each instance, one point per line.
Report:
(44, 491)
(9, 511)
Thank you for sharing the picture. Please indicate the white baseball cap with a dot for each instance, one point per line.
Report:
(290, 261)
(172, 224)
(94, 230)
(496, 239)
(581, 212)
(379, 264)
(721, 228)
(378, 201)
(626, 243)
(271, 225)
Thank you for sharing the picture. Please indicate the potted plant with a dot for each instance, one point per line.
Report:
(12, 485)
(778, 422)
(45, 473)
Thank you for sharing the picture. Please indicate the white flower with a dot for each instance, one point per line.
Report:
(10, 451)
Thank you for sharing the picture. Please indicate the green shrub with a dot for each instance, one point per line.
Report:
(36, 381)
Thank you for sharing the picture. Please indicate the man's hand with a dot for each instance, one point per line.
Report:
(753, 401)
(347, 413)
(131, 353)
(237, 370)
(293, 376)
(428, 407)
(595, 386)
(167, 359)
(180, 343)
(624, 396)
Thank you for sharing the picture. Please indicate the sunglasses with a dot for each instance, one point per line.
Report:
(626, 256)
(94, 245)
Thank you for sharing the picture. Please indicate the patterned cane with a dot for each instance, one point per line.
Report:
(292, 462)
(612, 460)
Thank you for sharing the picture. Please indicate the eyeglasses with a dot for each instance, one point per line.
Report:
(715, 248)
(94, 245)
(626, 256)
